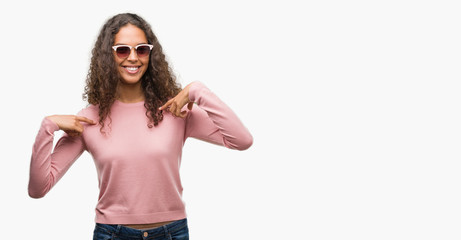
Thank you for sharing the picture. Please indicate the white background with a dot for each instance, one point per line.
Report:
(354, 107)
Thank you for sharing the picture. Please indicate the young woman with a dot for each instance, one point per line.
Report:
(135, 126)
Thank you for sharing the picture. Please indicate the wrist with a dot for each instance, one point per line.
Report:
(50, 123)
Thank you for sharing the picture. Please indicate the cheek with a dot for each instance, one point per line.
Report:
(145, 64)
(116, 60)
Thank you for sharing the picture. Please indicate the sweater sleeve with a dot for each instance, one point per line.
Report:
(213, 121)
(46, 166)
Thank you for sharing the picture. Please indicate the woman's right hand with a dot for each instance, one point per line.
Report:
(70, 123)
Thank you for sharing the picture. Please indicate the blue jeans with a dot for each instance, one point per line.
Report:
(176, 230)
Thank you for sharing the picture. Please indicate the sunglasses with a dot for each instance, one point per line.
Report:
(123, 51)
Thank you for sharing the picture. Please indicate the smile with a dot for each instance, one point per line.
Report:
(132, 69)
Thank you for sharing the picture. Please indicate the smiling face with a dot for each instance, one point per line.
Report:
(133, 67)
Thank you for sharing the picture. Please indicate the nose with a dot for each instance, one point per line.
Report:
(133, 56)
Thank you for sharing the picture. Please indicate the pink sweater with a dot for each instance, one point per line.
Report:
(138, 167)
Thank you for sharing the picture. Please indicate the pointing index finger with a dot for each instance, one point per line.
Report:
(84, 119)
(165, 105)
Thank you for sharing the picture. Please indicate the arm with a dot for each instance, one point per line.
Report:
(214, 121)
(47, 167)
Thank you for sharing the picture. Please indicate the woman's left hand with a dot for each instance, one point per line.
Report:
(175, 104)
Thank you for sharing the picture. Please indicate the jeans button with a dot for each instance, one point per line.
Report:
(145, 234)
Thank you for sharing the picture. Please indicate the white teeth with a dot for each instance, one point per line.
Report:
(132, 68)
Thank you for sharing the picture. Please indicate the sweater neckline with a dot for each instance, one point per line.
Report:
(123, 104)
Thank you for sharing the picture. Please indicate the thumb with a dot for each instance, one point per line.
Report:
(190, 105)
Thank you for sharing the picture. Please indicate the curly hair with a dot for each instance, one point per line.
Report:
(158, 82)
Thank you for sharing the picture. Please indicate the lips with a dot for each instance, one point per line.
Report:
(132, 69)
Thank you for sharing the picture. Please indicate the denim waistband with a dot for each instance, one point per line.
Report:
(120, 230)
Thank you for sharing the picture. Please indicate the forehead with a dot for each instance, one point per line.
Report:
(131, 35)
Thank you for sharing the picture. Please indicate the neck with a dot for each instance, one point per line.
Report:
(130, 93)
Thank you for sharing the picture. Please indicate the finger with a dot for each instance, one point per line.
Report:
(168, 103)
(84, 119)
(78, 128)
(172, 108)
(183, 114)
(178, 111)
(190, 105)
(72, 133)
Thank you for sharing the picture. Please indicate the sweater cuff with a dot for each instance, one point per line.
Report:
(49, 126)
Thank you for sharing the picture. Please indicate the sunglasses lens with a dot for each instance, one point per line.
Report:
(143, 51)
(123, 52)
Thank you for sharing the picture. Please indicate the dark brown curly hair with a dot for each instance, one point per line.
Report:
(158, 82)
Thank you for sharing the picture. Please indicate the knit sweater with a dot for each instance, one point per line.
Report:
(137, 166)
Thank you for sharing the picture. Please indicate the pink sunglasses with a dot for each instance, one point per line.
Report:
(142, 50)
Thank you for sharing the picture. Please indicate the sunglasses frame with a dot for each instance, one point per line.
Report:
(131, 48)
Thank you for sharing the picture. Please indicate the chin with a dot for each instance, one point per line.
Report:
(130, 79)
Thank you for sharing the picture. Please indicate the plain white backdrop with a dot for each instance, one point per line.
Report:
(354, 107)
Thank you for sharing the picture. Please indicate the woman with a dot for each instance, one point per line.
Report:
(135, 126)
